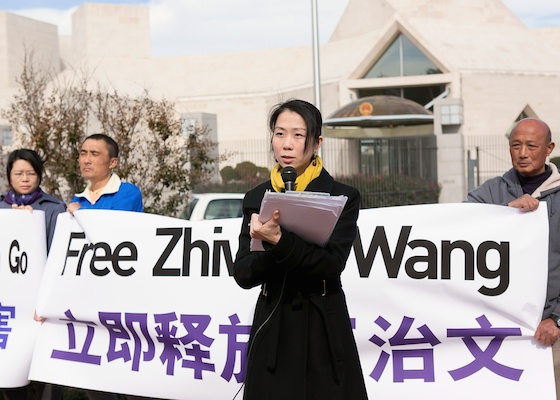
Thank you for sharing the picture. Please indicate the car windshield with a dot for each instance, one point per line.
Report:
(224, 208)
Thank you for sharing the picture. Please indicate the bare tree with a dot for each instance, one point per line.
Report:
(155, 152)
(51, 119)
(53, 116)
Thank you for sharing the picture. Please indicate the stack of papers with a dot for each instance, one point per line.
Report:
(310, 215)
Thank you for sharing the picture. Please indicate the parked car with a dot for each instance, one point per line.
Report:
(213, 206)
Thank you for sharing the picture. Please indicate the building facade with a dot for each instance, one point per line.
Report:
(472, 66)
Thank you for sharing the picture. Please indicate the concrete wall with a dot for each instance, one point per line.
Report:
(111, 31)
(493, 101)
(19, 35)
(115, 39)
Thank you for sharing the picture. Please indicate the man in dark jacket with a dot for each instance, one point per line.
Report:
(531, 180)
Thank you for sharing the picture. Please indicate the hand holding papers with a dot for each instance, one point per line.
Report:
(312, 216)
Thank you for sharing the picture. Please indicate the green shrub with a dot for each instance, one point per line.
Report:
(240, 179)
(228, 174)
(245, 171)
(376, 191)
(392, 190)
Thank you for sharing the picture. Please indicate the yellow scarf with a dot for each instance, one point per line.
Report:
(310, 173)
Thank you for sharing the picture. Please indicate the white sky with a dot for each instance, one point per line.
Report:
(181, 27)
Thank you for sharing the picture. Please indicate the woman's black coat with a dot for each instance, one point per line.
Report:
(301, 347)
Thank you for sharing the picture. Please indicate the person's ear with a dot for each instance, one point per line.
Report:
(113, 163)
(319, 142)
(550, 148)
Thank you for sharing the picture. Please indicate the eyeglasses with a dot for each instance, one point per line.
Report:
(20, 174)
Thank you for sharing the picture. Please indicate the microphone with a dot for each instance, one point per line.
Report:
(289, 176)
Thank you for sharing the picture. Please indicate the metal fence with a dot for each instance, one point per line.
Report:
(487, 156)
(343, 159)
(490, 155)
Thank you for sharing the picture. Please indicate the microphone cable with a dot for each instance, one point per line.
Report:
(289, 176)
(258, 330)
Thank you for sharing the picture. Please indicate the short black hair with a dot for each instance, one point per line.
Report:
(28, 155)
(310, 114)
(112, 145)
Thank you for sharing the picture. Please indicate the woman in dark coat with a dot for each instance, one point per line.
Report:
(25, 172)
(301, 344)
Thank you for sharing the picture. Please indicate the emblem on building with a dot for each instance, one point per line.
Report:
(366, 108)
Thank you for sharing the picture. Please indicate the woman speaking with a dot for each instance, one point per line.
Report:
(301, 344)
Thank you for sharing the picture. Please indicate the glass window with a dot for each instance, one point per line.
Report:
(414, 61)
(389, 64)
(398, 92)
(423, 94)
(6, 136)
(189, 209)
(402, 58)
(188, 126)
(451, 114)
(224, 208)
(419, 94)
(521, 116)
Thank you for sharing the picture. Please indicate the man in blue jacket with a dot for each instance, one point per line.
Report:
(105, 191)
(98, 157)
(531, 180)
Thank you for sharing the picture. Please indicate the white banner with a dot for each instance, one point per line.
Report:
(23, 253)
(445, 299)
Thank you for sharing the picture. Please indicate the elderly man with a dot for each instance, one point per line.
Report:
(531, 180)
(98, 157)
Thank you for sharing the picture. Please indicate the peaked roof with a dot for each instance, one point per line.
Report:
(468, 35)
(471, 35)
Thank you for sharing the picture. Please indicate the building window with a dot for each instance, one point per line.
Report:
(402, 58)
(451, 114)
(522, 115)
(188, 126)
(5, 135)
(419, 94)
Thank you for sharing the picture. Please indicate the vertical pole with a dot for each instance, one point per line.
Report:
(316, 71)
(470, 172)
(477, 167)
